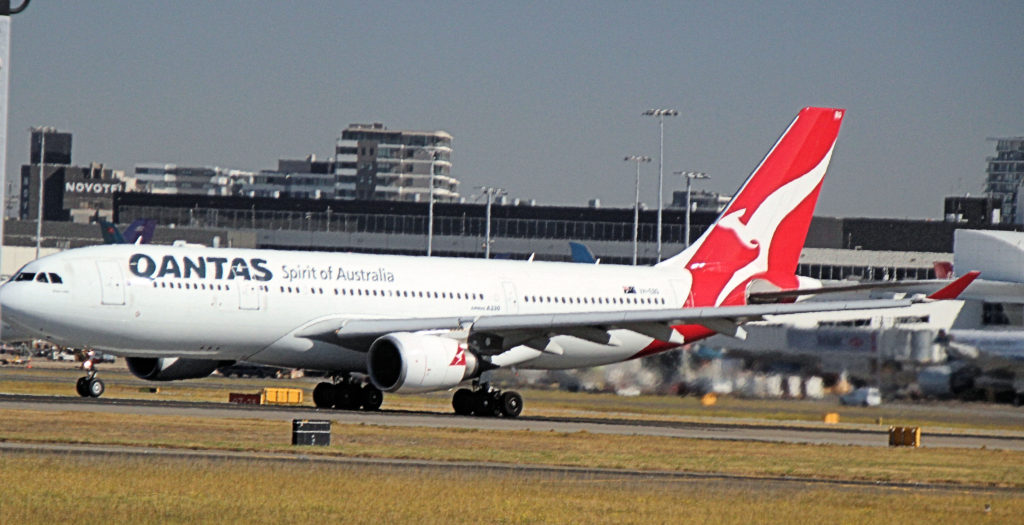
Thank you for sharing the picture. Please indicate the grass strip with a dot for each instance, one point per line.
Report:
(77, 489)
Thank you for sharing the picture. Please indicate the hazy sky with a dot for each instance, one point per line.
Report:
(545, 98)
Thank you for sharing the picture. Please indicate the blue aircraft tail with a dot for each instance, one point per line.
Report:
(139, 232)
(581, 254)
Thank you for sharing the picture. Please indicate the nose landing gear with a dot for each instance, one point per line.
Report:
(90, 385)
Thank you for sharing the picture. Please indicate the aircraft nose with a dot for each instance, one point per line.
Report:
(16, 304)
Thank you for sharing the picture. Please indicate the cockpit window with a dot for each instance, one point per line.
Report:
(41, 278)
(54, 278)
(25, 276)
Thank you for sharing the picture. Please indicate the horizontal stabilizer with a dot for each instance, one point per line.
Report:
(782, 295)
(955, 288)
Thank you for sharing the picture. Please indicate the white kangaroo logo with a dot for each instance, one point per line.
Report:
(760, 230)
(744, 233)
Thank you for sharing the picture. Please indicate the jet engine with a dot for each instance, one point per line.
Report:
(407, 362)
(171, 368)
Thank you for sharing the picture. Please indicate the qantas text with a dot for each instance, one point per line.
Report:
(143, 265)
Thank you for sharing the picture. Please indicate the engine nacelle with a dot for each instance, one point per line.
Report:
(407, 362)
(171, 368)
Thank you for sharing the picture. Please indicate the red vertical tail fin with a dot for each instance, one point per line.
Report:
(761, 232)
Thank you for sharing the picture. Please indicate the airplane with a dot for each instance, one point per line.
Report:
(419, 324)
(139, 231)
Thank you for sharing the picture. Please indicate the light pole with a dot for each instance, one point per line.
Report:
(636, 203)
(491, 193)
(6, 11)
(690, 175)
(661, 114)
(42, 178)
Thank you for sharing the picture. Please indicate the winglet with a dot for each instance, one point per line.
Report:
(955, 288)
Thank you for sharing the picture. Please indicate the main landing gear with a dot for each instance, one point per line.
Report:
(90, 385)
(482, 400)
(346, 393)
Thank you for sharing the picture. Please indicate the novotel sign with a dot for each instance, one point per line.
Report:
(93, 187)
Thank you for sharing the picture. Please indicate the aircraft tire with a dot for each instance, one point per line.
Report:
(82, 386)
(96, 387)
(346, 397)
(323, 394)
(463, 402)
(485, 405)
(371, 397)
(511, 404)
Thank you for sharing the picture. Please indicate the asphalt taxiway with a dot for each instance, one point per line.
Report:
(797, 432)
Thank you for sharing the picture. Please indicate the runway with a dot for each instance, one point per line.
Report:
(722, 429)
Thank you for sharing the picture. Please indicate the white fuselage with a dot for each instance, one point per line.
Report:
(204, 303)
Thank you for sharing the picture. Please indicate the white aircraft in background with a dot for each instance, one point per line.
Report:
(417, 324)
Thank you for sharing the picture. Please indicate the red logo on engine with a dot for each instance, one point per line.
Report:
(460, 357)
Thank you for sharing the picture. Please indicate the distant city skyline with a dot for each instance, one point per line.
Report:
(543, 99)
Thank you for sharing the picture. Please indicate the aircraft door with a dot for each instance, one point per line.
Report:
(511, 298)
(248, 296)
(111, 282)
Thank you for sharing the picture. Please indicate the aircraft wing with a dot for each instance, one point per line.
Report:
(494, 334)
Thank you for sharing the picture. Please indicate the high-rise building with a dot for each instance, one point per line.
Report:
(69, 192)
(58, 146)
(375, 163)
(1005, 174)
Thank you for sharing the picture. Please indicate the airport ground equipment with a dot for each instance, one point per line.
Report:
(281, 396)
(316, 432)
(904, 436)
